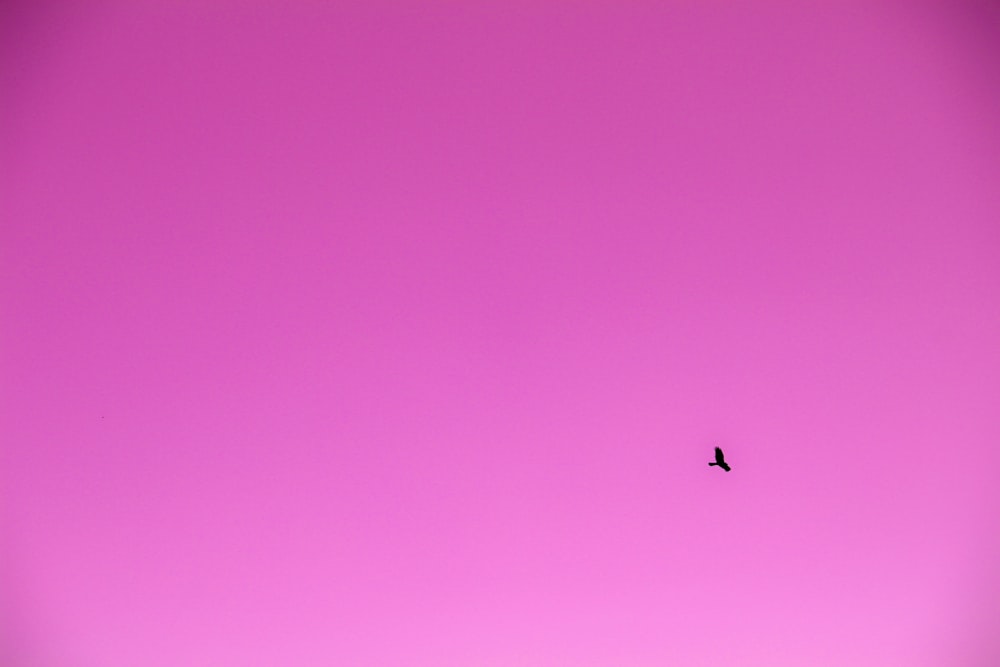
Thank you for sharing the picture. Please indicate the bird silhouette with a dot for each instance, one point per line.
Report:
(720, 460)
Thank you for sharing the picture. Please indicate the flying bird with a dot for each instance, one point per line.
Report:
(720, 460)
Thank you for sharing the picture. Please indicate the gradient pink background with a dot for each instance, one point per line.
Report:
(401, 333)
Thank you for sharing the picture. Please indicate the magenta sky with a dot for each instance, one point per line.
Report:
(400, 334)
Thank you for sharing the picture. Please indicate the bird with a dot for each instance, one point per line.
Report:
(720, 460)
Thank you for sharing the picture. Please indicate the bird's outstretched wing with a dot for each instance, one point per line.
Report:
(719, 458)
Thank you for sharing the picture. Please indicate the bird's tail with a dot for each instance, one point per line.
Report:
(713, 464)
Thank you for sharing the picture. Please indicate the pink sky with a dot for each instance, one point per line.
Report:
(400, 334)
